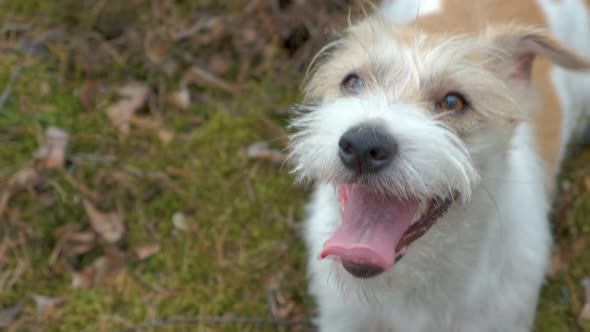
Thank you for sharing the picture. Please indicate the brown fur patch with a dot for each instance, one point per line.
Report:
(458, 16)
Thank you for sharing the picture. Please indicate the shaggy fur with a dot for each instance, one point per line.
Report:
(480, 267)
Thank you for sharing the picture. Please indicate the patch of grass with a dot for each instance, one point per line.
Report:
(563, 295)
(238, 209)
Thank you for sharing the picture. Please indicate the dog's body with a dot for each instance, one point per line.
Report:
(481, 265)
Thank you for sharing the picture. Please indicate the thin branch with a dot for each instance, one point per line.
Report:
(8, 89)
(213, 320)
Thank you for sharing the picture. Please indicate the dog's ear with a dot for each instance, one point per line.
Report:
(519, 45)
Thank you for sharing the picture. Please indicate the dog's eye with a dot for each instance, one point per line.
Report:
(452, 102)
(352, 84)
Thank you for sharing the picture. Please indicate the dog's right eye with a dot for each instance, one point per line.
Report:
(352, 84)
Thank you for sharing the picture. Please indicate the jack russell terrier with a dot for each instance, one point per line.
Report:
(433, 131)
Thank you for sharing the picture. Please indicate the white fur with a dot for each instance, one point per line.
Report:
(572, 87)
(481, 266)
(405, 11)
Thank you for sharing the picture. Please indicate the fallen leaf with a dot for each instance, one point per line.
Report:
(147, 250)
(72, 242)
(107, 270)
(180, 222)
(52, 153)
(180, 98)
(83, 279)
(587, 182)
(23, 178)
(133, 97)
(8, 316)
(109, 225)
(263, 151)
(207, 79)
(110, 269)
(47, 306)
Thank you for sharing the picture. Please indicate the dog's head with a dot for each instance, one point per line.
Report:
(403, 123)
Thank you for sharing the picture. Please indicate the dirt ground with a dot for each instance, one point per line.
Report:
(141, 185)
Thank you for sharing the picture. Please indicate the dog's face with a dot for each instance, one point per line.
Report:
(403, 124)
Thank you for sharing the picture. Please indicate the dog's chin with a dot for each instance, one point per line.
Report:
(378, 229)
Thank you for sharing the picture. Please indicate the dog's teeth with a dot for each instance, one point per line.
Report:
(419, 211)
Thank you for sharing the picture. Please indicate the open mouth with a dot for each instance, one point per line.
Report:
(377, 230)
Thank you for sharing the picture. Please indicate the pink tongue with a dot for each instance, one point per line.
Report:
(371, 227)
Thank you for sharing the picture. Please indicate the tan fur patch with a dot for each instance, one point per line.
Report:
(476, 16)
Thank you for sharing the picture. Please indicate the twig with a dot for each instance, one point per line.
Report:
(8, 89)
(213, 320)
(207, 79)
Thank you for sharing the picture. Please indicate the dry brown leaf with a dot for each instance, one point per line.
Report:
(8, 316)
(52, 153)
(180, 98)
(71, 242)
(108, 270)
(109, 225)
(164, 134)
(147, 250)
(133, 97)
(47, 306)
(263, 151)
(83, 279)
(587, 182)
(207, 79)
(23, 178)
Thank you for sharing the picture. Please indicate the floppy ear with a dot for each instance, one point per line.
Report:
(519, 45)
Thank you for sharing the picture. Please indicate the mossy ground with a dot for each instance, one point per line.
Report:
(242, 214)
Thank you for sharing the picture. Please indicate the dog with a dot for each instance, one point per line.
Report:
(433, 131)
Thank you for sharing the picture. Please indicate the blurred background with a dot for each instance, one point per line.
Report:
(141, 177)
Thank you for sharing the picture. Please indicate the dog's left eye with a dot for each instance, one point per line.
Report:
(352, 84)
(452, 102)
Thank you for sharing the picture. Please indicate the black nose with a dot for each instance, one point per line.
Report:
(366, 149)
